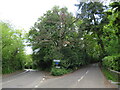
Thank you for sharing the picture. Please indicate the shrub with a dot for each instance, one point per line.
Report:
(59, 71)
(110, 75)
(71, 59)
(112, 62)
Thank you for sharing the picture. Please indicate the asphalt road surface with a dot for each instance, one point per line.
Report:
(26, 79)
(86, 77)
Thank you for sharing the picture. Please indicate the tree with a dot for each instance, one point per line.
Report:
(12, 49)
(50, 35)
(114, 20)
(93, 21)
(100, 32)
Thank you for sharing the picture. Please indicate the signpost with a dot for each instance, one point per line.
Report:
(57, 62)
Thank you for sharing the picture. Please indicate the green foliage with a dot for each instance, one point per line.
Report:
(43, 59)
(28, 62)
(112, 62)
(50, 35)
(92, 36)
(101, 32)
(86, 39)
(92, 27)
(59, 71)
(71, 59)
(110, 75)
(111, 38)
(12, 49)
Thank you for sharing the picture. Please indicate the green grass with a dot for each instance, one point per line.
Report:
(111, 75)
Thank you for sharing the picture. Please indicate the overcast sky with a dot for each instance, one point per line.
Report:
(22, 14)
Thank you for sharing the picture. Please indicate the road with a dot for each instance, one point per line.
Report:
(86, 77)
(23, 80)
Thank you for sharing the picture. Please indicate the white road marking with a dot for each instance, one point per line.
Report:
(40, 82)
(82, 76)
(43, 79)
(80, 79)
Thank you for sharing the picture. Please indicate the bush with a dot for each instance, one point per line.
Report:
(112, 62)
(71, 59)
(59, 71)
(110, 75)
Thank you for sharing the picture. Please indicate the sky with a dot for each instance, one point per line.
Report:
(22, 14)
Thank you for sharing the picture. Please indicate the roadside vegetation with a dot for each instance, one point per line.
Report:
(59, 71)
(114, 77)
(12, 49)
(13, 55)
(90, 37)
(93, 35)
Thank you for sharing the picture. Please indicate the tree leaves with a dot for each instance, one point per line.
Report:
(12, 49)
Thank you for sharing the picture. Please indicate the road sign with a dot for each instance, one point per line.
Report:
(56, 63)
(57, 66)
(56, 60)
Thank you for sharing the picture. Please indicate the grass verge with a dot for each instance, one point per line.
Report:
(59, 71)
(110, 75)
